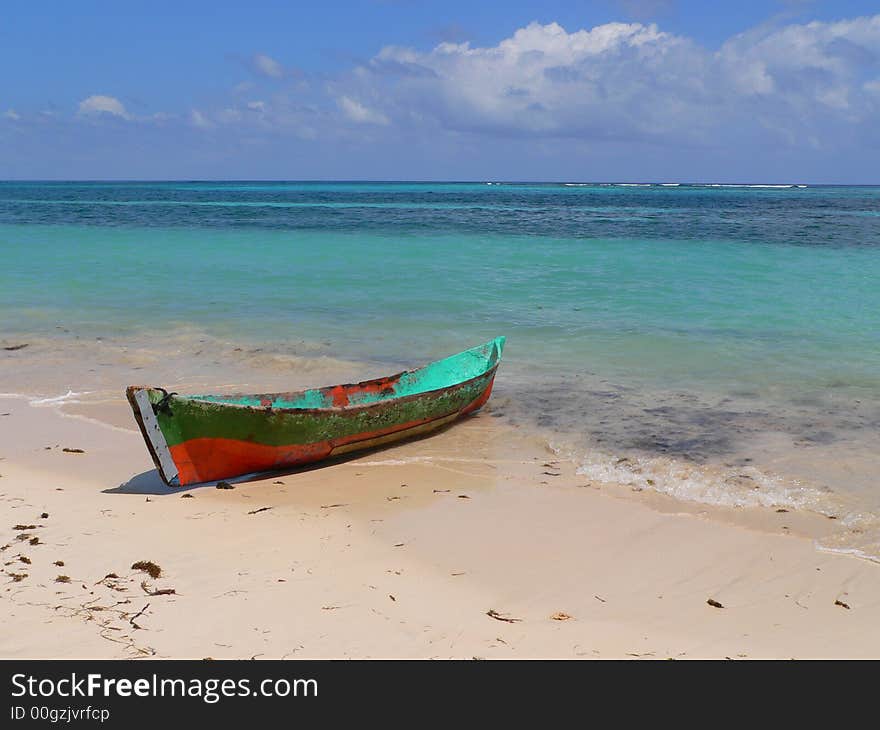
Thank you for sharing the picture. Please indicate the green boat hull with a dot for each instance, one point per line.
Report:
(205, 438)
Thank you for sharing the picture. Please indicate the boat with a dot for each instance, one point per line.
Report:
(197, 439)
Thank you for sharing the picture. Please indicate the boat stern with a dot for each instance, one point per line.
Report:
(144, 409)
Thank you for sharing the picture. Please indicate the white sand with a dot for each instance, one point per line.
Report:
(375, 558)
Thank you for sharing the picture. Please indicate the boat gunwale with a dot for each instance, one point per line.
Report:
(331, 409)
(339, 409)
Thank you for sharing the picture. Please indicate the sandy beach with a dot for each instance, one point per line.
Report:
(476, 542)
(607, 270)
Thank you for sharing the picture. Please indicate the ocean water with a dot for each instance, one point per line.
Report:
(717, 343)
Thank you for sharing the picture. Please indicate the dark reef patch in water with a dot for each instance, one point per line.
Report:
(690, 426)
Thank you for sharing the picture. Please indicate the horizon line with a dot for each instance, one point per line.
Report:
(485, 181)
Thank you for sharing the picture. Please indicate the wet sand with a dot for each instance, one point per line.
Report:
(476, 542)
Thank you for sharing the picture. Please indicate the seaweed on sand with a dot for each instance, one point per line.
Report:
(148, 567)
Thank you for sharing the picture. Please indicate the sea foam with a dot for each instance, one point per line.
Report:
(69, 397)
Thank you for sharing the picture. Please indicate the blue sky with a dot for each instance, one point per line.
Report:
(669, 90)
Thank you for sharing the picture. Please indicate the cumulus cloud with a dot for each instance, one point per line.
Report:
(98, 104)
(628, 81)
(267, 66)
(780, 86)
(281, 114)
(357, 112)
(806, 62)
(197, 119)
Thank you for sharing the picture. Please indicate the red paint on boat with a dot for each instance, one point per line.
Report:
(210, 459)
(341, 395)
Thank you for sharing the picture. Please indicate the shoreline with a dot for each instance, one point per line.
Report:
(374, 557)
(85, 377)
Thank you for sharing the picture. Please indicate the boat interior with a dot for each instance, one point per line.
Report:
(435, 376)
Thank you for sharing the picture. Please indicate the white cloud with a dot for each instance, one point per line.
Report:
(357, 112)
(283, 113)
(629, 81)
(99, 104)
(811, 61)
(267, 66)
(805, 85)
(614, 79)
(197, 119)
(12, 114)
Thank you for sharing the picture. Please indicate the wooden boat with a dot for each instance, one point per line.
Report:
(204, 438)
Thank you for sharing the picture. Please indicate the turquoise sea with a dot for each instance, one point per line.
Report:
(719, 343)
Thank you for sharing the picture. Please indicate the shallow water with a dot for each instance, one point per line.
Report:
(716, 343)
